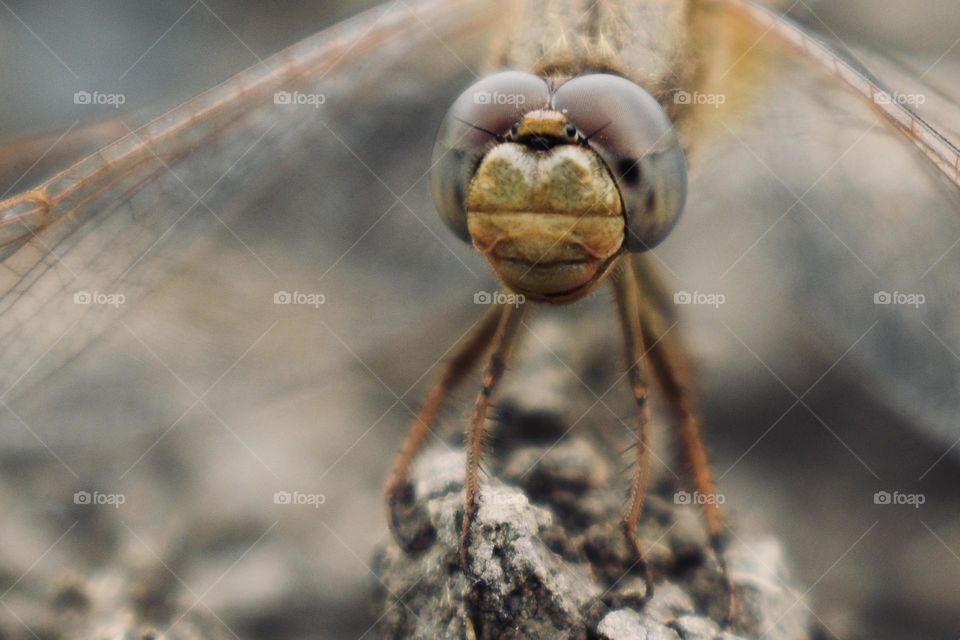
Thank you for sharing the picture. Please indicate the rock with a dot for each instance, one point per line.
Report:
(116, 603)
(548, 557)
(627, 624)
(696, 628)
(548, 560)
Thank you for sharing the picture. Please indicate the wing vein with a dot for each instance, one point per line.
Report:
(940, 151)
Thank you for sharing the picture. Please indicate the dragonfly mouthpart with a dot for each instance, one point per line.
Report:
(548, 222)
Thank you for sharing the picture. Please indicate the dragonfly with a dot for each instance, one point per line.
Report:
(119, 217)
(568, 173)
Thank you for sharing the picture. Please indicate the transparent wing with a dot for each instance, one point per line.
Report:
(111, 226)
(206, 381)
(27, 159)
(849, 68)
(829, 208)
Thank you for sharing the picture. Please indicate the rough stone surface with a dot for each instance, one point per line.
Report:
(548, 559)
(119, 602)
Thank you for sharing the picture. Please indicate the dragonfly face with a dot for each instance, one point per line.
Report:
(551, 181)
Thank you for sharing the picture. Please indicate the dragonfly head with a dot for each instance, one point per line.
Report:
(552, 184)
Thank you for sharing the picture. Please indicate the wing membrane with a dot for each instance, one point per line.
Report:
(820, 216)
(931, 141)
(114, 222)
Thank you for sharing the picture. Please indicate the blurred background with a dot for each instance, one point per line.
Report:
(202, 400)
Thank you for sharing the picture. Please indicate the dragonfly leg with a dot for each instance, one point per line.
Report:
(670, 366)
(468, 352)
(628, 305)
(504, 339)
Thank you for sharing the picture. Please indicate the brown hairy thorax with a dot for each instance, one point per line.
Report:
(572, 37)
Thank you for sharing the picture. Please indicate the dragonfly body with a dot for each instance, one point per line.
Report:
(547, 215)
(644, 41)
(558, 172)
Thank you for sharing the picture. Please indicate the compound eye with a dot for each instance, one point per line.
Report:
(629, 130)
(479, 119)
